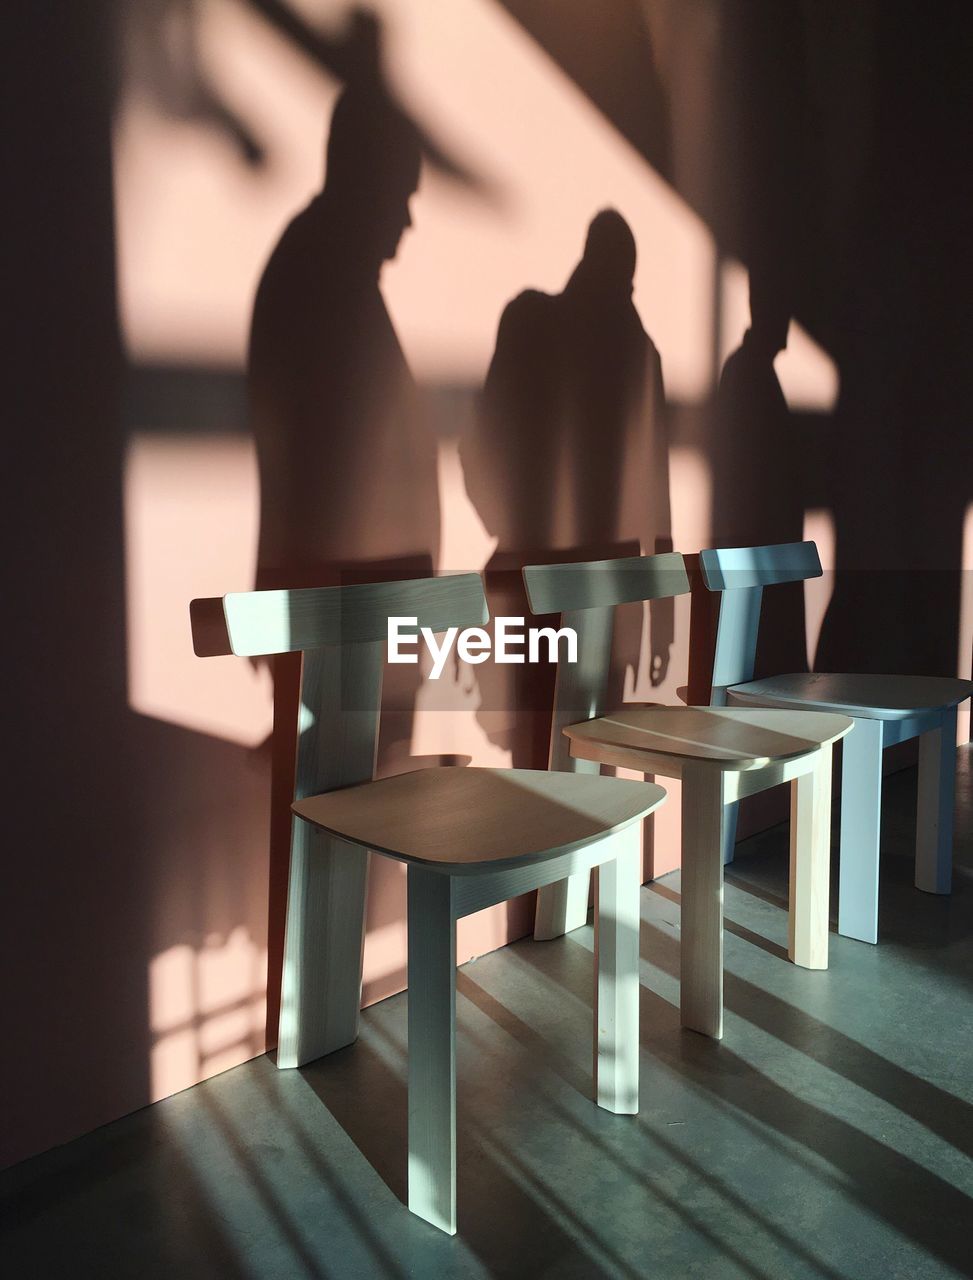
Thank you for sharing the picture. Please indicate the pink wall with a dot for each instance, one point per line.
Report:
(159, 167)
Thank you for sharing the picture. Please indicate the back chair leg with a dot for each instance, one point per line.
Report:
(701, 942)
(861, 825)
(617, 919)
(320, 995)
(730, 833)
(561, 907)
(934, 814)
(432, 1048)
(810, 877)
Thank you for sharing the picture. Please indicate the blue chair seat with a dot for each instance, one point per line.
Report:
(870, 697)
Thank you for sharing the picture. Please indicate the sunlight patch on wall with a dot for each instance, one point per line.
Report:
(807, 374)
(207, 1010)
(445, 719)
(691, 487)
(465, 544)
(819, 529)
(190, 530)
(194, 221)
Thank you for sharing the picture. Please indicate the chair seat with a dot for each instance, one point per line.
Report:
(478, 820)
(733, 738)
(869, 697)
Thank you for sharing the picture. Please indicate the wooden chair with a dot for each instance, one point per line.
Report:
(469, 837)
(885, 710)
(720, 754)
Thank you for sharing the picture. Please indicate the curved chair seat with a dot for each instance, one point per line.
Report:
(869, 697)
(468, 821)
(734, 739)
(472, 838)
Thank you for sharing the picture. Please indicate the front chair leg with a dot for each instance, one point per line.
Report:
(701, 941)
(432, 1048)
(810, 878)
(861, 826)
(730, 817)
(934, 811)
(617, 918)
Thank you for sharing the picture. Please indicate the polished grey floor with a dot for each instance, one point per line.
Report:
(829, 1134)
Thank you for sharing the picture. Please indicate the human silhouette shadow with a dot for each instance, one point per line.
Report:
(568, 459)
(348, 482)
(347, 468)
(758, 497)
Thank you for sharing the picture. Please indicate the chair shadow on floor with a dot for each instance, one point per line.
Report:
(891, 1186)
(731, 926)
(663, 1017)
(510, 1221)
(571, 965)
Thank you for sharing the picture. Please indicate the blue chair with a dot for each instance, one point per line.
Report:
(885, 709)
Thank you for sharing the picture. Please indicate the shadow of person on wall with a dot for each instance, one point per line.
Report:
(758, 498)
(347, 469)
(348, 481)
(568, 458)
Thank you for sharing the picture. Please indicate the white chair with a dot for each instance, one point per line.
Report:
(720, 754)
(470, 838)
(885, 710)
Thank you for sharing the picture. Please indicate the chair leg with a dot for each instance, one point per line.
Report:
(810, 878)
(432, 1049)
(561, 907)
(730, 816)
(701, 944)
(934, 815)
(861, 827)
(617, 918)
(320, 996)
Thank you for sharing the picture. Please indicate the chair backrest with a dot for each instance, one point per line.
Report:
(599, 584)
(342, 634)
(259, 623)
(740, 575)
(585, 595)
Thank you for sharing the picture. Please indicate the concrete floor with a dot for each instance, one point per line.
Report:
(828, 1135)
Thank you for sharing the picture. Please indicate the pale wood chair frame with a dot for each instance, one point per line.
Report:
(740, 575)
(585, 595)
(341, 633)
